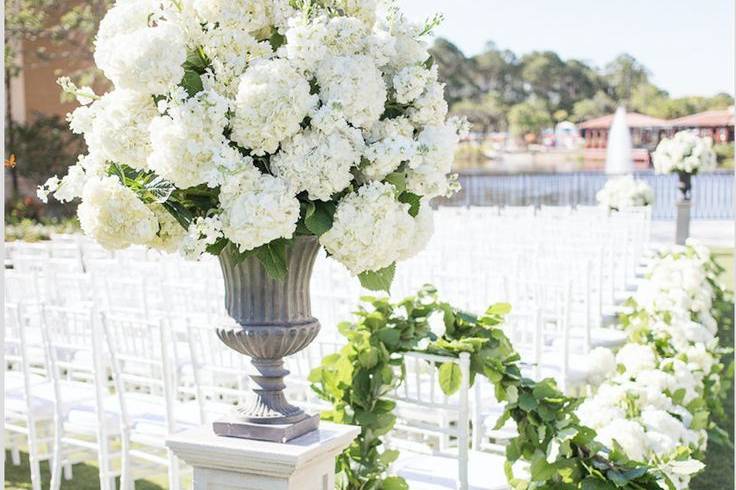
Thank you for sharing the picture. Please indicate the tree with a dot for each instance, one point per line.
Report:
(488, 114)
(599, 105)
(529, 117)
(455, 70)
(44, 31)
(623, 75)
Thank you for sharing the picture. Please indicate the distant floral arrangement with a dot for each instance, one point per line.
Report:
(625, 192)
(685, 152)
(247, 123)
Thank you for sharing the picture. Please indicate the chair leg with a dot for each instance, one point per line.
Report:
(56, 461)
(174, 482)
(126, 481)
(15, 456)
(33, 461)
(68, 472)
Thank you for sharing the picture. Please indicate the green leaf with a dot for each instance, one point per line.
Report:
(389, 336)
(414, 201)
(499, 309)
(389, 456)
(319, 216)
(192, 83)
(450, 377)
(398, 180)
(540, 469)
(273, 258)
(394, 483)
(218, 246)
(379, 280)
(527, 402)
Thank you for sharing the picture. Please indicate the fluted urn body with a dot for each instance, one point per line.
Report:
(274, 320)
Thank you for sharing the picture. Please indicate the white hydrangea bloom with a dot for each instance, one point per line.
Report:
(423, 231)
(202, 232)
(319, 163)
(371, 229)
(434, 156)
(113, 215)
(310, 41)
(189, 147)
(257, 208)
(355, 83)
(629, 434)
(273, 99)
(365, 10)
(389, 142)
(410, 81)
(430, 108)
(685, 152)
(115, 127)
(138, 49)
(230, 51)
(409, 48)
(635, 358)
(170, 232)
(250, 15)
(625, 192)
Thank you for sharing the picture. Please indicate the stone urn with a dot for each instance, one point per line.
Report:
(274, 321)
(684, 186)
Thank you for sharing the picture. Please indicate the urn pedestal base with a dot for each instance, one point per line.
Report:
(682, 230)
(226, 463)
(233, 427)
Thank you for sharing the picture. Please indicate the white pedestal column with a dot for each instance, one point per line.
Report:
(226, 463)
(682, 231)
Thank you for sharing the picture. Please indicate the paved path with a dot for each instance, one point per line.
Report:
(720, 234)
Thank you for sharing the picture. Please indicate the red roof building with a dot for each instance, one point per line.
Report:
(717, 124)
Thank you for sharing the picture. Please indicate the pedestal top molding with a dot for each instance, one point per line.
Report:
(202, 447)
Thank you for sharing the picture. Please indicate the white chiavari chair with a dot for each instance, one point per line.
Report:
(422, 462)
(139, 350)
(84, 417)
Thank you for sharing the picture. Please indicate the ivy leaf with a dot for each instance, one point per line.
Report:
(273, 258)
(389, 456)
(379, 280)
(499, 309)
(398, 180)
(318, 217)
(394, 483)
(192, 83)
(160, 188)
(450, 377)
(413, 200)
(218, 246)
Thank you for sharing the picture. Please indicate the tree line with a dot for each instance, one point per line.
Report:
(498, 90)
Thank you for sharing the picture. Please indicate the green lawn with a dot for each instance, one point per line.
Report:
(85, 477)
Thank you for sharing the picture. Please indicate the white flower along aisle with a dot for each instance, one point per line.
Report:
(253, 122)
(667, 382)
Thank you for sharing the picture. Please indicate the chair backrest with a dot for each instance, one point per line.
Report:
(139, 350)
(219, 373)
(420, 397)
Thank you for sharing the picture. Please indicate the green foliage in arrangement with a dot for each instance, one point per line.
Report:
(560, 452)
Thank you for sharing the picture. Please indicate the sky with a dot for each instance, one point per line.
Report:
(688, 45)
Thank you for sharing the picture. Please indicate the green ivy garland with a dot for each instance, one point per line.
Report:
(562, 453)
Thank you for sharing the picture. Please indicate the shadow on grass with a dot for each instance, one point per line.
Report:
(85, 476)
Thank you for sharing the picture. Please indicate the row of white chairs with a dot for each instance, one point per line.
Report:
(563, 272)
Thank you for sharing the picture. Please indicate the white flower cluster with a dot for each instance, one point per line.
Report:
(685, 152)
(372, 229)
(654, 405)
(625, 192)
(244, 113)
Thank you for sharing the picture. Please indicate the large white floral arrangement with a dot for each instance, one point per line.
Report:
(685, 152)
(656, 401)
(246, 123)
(625, 192)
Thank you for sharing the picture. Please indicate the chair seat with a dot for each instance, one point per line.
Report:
(607, 337)
(423, 472)
(42, 397)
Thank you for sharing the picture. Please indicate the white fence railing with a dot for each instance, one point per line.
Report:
(712, 194)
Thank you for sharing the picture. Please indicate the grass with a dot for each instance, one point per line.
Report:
(719, 460)
(85, 476)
